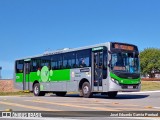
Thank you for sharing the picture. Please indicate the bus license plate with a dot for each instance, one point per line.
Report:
(130, 87)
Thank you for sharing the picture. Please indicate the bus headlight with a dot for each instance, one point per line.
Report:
(115, 81)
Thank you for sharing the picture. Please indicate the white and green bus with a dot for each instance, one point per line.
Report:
(103, 68)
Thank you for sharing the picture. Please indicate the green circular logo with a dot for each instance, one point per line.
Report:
(44, 74)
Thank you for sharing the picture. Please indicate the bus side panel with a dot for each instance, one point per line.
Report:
(57, 80)
(18, 81)
(72, 84)
(53, 86)
(60, 75)
(19, 77)
(33, 76)
(76, 76)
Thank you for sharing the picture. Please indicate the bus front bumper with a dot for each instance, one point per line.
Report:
(124, 87)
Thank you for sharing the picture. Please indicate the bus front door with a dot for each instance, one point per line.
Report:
(97, 70)
(26, 75)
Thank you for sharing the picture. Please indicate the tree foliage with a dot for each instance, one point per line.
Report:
(150, 61)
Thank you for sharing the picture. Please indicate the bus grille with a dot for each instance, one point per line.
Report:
(128, 86)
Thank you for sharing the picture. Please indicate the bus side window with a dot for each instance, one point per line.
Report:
(35, 65)
(72, 60)
(83, 58)
(65, 61)
(54, 62)
(53, 65)
(60, 62)
(39, 64)
(19, 66)
(68, 60)
(46, 61)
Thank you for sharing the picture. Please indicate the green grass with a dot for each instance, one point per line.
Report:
(150, 85)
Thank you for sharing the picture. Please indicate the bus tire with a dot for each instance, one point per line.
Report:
(112, 94)
(86, 90)
(61, 93)
(36, 90)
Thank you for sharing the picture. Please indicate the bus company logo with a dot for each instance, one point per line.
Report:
(17, 77)
(6, 114)
(44, 74)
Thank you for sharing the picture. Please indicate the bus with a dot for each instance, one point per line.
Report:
(106, 69)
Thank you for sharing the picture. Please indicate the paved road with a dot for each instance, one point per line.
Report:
(143, 101)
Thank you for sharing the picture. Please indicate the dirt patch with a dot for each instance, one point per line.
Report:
(6, 86)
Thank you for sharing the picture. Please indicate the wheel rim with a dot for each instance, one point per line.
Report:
(85, 89)
(36, 90)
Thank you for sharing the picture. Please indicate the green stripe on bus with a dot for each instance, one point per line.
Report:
(57, 75)
(124, 81)
(33, 76)
(60, 75)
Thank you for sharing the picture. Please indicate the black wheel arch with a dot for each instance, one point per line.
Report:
(81, 83)
(36, 81)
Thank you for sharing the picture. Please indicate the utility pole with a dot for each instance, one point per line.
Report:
(0, 72)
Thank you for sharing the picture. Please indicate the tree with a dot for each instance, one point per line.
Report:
(150, 61)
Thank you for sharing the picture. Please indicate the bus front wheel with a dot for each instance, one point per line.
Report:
(36, 90)
(112, 94)
(86, 90)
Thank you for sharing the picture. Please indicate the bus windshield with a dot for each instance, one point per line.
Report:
(125, 62)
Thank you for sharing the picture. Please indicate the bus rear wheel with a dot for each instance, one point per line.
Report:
(112, 94)
(86, 90)
(36, 90)
(60, 93)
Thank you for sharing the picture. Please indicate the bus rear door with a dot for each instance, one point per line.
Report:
(26, 75)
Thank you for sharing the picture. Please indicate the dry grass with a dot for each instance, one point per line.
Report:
(150, 85)
(15, 93)
(150, 79)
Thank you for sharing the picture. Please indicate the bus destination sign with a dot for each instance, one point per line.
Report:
(123, 47)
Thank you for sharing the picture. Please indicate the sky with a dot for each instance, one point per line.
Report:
(31, 27)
